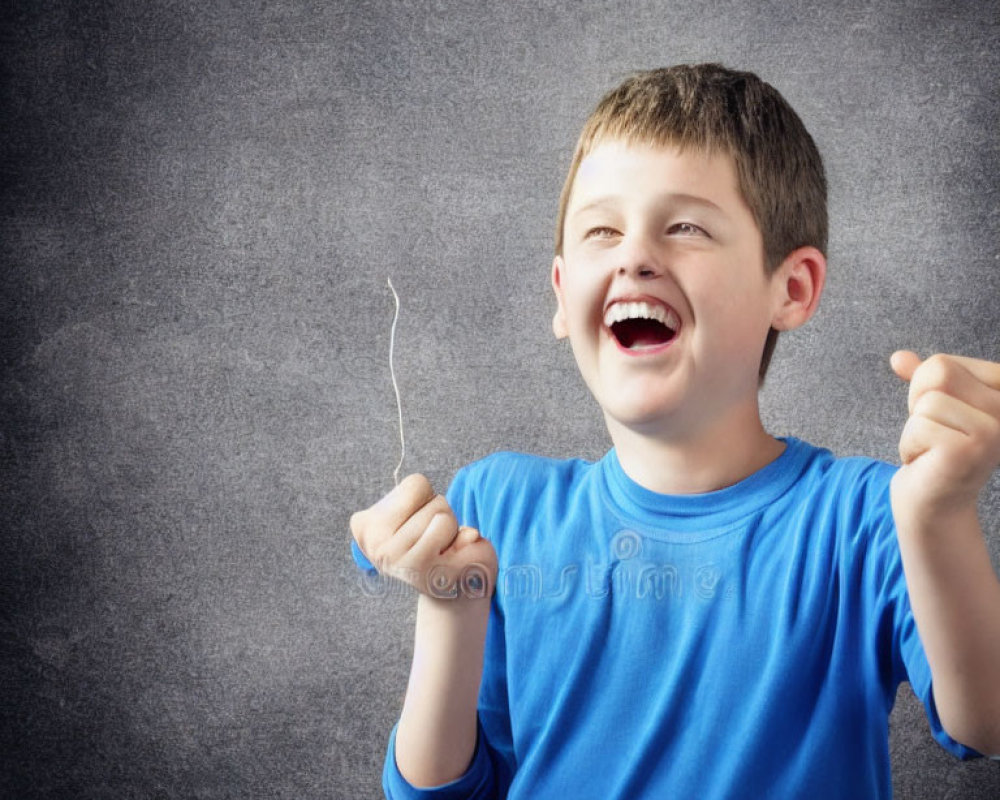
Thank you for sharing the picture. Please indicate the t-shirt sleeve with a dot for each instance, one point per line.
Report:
(476, 784)
(360, 560)
(908, 656)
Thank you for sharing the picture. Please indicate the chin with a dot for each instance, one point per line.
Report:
(643, 417)
(647, 400)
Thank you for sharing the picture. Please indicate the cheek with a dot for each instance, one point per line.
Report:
(581, 299)
(739, 316)
(743, 309)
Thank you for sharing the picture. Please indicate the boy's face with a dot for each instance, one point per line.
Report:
(652, 232)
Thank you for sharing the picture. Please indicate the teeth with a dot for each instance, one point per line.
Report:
(640, 310)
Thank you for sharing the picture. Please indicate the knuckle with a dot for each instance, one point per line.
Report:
(417, 484)
(439, 505)
(929, 401)
(937, 364)
(940, 371)
(442, 523)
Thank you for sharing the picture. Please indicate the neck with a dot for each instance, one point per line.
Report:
(685, 463)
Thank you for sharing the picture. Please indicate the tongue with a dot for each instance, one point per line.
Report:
(635, 333)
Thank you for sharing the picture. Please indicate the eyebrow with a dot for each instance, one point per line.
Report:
(673, 197)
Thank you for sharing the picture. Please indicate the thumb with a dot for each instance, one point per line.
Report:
(466, 535)
(904, 363)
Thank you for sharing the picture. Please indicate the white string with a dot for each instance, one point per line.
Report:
(395, 386)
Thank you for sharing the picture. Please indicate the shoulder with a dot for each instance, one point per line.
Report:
(850, 478)
(507, 463)
(845, 502)
(505, 472)
(514, 484)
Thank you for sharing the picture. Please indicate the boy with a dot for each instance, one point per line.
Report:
(707, 611)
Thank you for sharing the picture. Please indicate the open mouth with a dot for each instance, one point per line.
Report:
(640, 325)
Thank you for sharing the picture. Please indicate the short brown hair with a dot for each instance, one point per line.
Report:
(715, 109)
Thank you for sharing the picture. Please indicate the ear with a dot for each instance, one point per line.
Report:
(559, 326)
(797, 284)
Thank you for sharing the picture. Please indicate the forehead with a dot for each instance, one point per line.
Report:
(617, 158)
(621, 167)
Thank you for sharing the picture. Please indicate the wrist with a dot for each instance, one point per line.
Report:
(917, 514)
(460, 611)
(941, 526)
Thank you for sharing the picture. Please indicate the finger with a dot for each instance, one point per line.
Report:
(965, 437)
(430, 565)
(952, 376)
(951, 412)
(904, 363)
(395, 547)
(437, 537)
(920, 435)
(466, 536)
(984, 371)
(373, 526)
(418, 560)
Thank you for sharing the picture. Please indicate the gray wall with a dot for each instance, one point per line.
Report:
(202, 203)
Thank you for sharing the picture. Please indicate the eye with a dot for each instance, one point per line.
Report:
(600, 232)
(686, 229)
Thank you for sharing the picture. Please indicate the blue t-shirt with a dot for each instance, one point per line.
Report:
(741, 643)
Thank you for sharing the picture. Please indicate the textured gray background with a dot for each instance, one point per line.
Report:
(201, 205)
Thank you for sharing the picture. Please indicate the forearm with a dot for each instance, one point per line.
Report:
(436, 737)
(955, 597)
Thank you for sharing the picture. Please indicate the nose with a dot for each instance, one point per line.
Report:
(640, 262)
